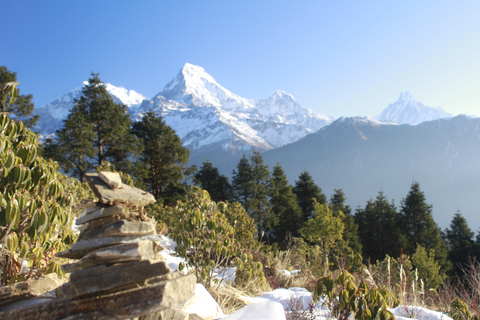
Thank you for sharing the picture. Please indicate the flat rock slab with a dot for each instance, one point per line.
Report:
(100, 213)
(82, 247)
(105, 278)
(120, 228)
(126, 196)
(127, 304)
(29, 289)
(144, 250)
(111, 178)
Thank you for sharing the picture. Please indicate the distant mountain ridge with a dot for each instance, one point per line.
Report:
(363, 156)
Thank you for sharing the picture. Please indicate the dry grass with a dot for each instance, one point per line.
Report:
(232, 298)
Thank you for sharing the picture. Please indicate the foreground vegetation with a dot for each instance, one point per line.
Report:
(361, 262)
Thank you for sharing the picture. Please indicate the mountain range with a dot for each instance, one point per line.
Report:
(407, 141)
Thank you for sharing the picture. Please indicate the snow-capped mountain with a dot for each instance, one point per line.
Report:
(406, 110)
(52, 114)
(206, 115)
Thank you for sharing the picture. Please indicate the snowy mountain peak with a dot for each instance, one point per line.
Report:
(406, 110)
(194, 86)
(405, 96)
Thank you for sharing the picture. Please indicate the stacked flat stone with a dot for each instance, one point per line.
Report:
(116, 275)
(116, 248)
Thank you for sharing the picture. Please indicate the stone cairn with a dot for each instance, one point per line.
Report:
(116, 275)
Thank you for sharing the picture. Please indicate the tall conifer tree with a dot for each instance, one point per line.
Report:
(163, 158)
(242, 183)
(418, 226)
(459, 238)
(306, 191)
(286, 214)
(259, 203)
(378, 229)
(96, 130)
(217, 185)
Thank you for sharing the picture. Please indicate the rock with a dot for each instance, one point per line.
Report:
(100, 222)
(111, 178)
(100, 213)
(143, 250)
(29, 289)
(82, 247)
(127, 304)
(104, 278)
(127, 196)
(120, 228)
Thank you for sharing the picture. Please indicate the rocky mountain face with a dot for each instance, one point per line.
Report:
(363, 156)
(406, 110)
(207, 116)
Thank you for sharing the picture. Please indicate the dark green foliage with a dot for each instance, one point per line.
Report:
(419, 228)
(21, 109)
(259, 204)
(378, 229)
(286, 214)
(306, 191)
(163, 158)
(459, 238)
(337, 202)
(96, 130)
(217, 185)
(350, 234)
(242, 183)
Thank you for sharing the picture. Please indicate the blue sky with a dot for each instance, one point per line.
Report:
(341, 58)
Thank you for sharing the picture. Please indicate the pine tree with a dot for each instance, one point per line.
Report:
(419, 228)
(337, 202)
(163, 158)
(306, 191)
(286, 214)
(259, 203)
(350, 233)
(21, 109)
(96, 130)
(378, 229)
(459, 238)
(242, 183)
(217, 185)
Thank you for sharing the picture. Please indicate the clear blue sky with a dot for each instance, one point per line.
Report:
(336, 57)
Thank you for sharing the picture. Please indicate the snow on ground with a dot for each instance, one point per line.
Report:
(270, 305)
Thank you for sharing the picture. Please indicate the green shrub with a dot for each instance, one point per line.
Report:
(207, 240)
(344, 298)
(35, 205)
